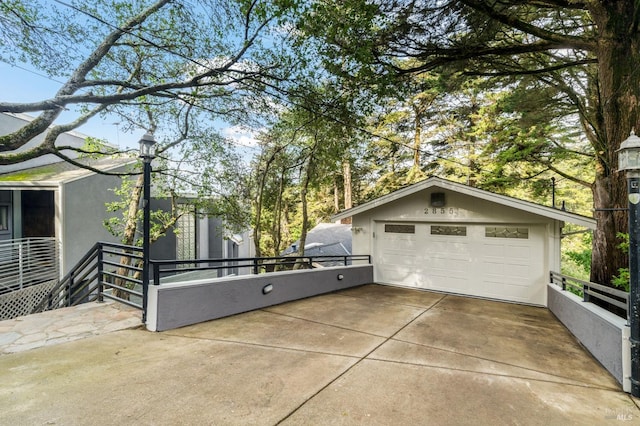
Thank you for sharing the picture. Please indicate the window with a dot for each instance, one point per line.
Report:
(4, 218)
(400, 229)
(186, 236)
(449, 230)
(505, 232)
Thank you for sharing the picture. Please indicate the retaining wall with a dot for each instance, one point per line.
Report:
(604, 334)
(179, 304)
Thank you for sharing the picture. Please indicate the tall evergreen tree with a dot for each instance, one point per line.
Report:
(586, 51)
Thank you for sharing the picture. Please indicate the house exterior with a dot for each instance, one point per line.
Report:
(444, 236)
(48, 198)
(60, 201)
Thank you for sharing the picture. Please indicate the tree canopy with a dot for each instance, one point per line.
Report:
(127, 58)
(581, 57)
(496, 94)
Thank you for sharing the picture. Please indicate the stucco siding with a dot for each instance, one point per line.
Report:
(83, 214)
(542, 246)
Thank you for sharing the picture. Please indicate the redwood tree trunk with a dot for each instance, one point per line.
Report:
(618, 54)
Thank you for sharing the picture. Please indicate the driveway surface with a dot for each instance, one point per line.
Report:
(373, 355)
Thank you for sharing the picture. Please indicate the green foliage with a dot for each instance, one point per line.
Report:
(622, 280)
(96, 148)
(576, 254)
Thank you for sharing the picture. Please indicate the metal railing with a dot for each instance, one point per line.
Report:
(26, 262)
(251, 265)
(107, 271)
(609, 298)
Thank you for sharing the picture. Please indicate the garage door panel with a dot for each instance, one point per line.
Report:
(400, 258)
(517, 271)
(397, 274)
(479, 263)
(438, 247)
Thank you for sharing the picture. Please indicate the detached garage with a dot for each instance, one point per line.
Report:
(445, 236)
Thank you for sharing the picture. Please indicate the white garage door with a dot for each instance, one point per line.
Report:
(494, 261)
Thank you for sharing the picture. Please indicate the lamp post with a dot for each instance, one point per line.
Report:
(629, 160)
(147, 153)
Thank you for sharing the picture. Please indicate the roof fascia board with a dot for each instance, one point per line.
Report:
(91, 172)
(22, 186)
(527, 206)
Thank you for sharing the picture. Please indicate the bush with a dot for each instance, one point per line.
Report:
(622, 280)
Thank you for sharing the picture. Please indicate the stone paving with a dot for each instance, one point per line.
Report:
(65, 325)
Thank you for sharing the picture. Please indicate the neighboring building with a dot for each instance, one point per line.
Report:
(325, 239)
(200, 237)
(11, 122)
(47, 197)
(61, 201)
(445, 236)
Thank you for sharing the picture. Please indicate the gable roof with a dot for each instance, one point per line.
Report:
(10, 123)
(50, 175)
(436, 182)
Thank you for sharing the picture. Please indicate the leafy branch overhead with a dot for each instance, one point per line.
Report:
(124, 58)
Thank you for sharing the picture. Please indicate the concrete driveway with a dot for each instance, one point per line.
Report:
(371, 355)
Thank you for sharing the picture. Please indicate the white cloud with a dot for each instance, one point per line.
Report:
(241, 135)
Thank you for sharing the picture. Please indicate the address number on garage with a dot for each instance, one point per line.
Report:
(442, 211)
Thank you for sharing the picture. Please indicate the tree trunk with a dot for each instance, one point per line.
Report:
(618, 54)
(129, 237)
(305, 208)
(336, 195)
(277, 216)
(417, 137)
(346, 175)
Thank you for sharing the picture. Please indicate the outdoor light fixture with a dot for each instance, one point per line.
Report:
(438, 199)
(147, 147)
(629, 161)
(147, 153)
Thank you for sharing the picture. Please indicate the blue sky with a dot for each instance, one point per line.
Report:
(19, 85)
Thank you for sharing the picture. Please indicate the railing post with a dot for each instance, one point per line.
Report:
(100, 271)
(69, 287)
(585, 294)
(255, 266)
(564, 284)
(21, 265)
(156, 274)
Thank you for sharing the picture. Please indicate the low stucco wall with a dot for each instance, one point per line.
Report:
(604, 334)
(176, 305)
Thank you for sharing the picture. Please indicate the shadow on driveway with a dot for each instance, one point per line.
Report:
(371, 355)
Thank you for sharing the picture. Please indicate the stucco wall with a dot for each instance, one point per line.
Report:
(180, 304)
(464, 209)
(601, 332)
(82, 215)
(460, 208)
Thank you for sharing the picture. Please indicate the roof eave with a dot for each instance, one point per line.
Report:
(527, 206)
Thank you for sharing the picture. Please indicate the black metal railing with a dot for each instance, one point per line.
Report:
(113, 271)
(212, 268)
(609, 298)
(108, 270)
